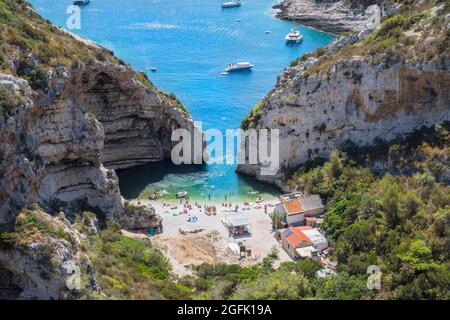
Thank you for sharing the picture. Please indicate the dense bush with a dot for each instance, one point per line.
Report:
(394, 222)
(7, 100)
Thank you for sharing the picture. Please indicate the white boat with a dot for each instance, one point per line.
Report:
(294, 37)
(239, 66)
(182, 194)
(153, 69)
(80, 2)
(231, 3)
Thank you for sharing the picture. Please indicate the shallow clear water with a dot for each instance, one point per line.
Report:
(190, 43)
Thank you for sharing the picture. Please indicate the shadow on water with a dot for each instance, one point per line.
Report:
(196, 179)
(134, 180)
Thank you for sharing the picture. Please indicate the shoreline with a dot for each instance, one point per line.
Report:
(159, 203)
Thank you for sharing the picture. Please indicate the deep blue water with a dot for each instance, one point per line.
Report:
(190, 43)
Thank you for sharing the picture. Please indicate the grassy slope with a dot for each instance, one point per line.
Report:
(31, 45)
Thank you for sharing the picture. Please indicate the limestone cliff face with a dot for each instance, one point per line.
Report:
(356, 103)
(336, 16)
(46, 266)
(70, 113)
(60, 145)
(50, 154)
(138, 119)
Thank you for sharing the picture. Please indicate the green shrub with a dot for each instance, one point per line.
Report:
(251, 120)
(7, 100)
(390, 24)
(38, 78)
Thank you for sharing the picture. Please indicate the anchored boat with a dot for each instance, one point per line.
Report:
(239, 66)
(231, 3)
(181, 194)
(80, 2)
(294, 37)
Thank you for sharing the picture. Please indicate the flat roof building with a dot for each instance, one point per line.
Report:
(302, 242)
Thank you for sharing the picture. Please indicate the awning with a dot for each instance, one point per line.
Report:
(236, 220)
(306, 252)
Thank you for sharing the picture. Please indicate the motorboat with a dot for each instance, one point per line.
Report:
(153, 69)
(231, 3)
(80, 2)
(239, 66)
(294, 37)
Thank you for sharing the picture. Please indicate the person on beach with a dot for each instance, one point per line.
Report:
(265, 209)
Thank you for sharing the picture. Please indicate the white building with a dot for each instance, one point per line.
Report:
(318, 240)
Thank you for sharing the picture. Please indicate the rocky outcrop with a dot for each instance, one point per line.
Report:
(356, 103)
(332, 16)
(45, 265)
(138, 217)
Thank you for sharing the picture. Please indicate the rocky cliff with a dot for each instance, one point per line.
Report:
(379, 85)
(70, 113)
(137, 118)
(336, 16)
(44, 259)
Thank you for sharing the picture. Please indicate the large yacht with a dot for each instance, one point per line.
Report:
(239, 66)
(294, 37)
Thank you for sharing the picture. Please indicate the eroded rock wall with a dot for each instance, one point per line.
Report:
(354, 104)
(137, 118)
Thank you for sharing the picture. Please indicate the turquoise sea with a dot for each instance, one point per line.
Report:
(190, 43)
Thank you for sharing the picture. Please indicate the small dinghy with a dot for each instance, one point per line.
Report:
(182, 194)
(152, 69)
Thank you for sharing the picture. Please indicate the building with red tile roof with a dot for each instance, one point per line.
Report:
(296, 206)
